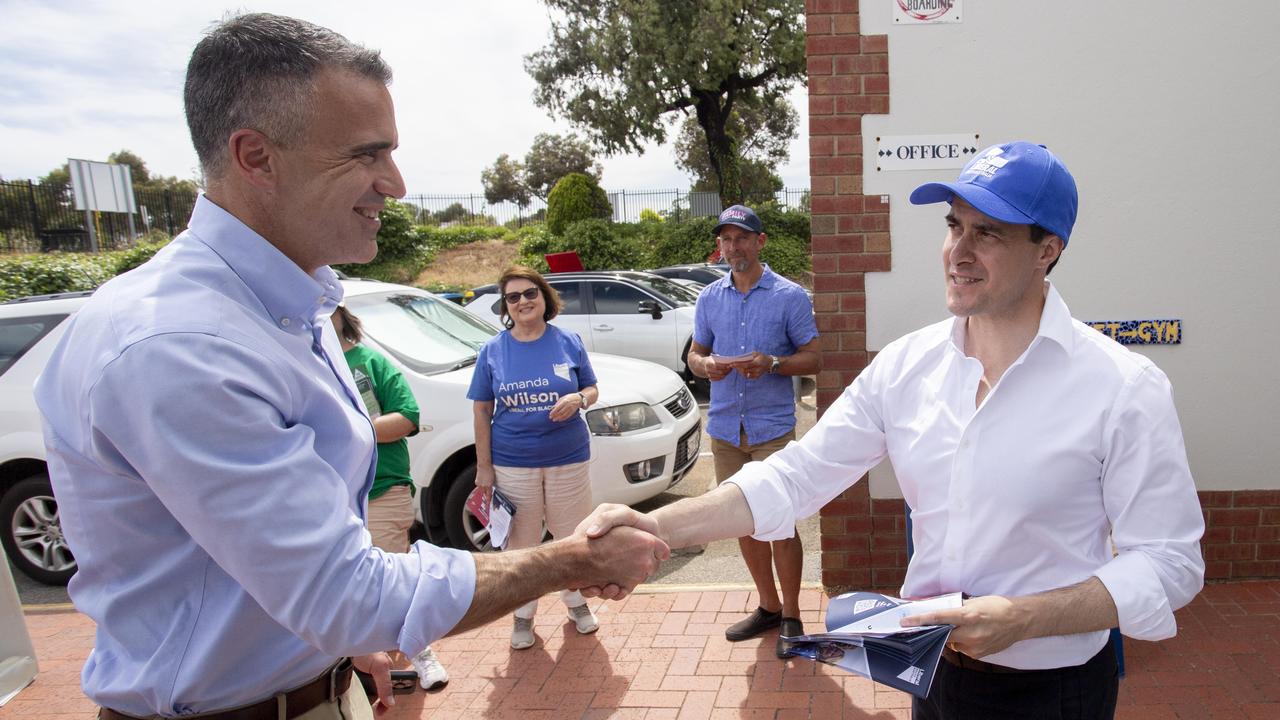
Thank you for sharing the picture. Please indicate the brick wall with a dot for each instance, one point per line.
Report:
(864, 540)
(1242, 534)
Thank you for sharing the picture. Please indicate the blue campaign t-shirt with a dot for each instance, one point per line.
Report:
(524, 380)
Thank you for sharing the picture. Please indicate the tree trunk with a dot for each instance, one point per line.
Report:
(722, 149)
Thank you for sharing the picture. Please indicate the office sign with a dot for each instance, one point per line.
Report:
(925, 152)
(925, 12)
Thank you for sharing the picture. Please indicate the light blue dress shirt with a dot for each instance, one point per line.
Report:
(211, 460)
(774, 317)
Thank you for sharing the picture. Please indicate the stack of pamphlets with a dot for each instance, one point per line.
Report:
(865, 636)
(495, 515)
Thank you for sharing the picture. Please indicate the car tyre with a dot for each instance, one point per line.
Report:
(462, 529)
(32, 532)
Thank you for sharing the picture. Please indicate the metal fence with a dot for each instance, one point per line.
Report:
(39, 218)
(628, 206)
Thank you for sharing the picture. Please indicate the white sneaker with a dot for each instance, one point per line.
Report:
(431, 674)
(522, 633)
(584, 619)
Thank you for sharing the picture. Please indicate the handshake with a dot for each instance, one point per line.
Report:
(624, 547)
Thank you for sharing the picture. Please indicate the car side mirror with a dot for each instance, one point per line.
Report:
(649, 307)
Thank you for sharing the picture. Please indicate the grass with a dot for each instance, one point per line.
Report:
(468, 266)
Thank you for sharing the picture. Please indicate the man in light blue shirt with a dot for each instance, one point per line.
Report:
(752, 330)
(210, 453)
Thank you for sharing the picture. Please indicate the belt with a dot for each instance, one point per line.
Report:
(961, 660)
(331, 684)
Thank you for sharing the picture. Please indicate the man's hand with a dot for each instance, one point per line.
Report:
(604, 518)
(623, 558)
(379, 666)
(758, 364)
(984, 625)
(715, 370)
(607, 516)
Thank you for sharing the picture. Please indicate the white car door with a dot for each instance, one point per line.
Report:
(573, 314)
(618, 326)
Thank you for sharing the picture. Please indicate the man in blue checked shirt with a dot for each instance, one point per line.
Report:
(209, 449)
(752, 330)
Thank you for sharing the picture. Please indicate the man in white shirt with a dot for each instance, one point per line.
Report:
(1027, 445)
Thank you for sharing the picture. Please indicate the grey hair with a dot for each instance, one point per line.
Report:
(258, 71)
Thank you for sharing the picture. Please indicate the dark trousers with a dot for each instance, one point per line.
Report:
(1083, 692)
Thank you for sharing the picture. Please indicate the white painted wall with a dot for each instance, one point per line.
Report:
(1168, 115)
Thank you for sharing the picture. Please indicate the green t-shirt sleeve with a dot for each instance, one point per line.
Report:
(392, 390)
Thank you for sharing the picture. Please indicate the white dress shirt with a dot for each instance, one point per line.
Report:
(1076, 447)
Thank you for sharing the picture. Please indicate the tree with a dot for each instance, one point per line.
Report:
(504, 182)
(618, 68)
(765, 133)
(550, 158)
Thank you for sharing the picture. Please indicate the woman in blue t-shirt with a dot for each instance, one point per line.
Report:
(530, 383)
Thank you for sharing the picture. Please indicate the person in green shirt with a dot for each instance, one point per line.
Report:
(394, 413)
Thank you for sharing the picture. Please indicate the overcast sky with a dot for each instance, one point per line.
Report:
(83, 79)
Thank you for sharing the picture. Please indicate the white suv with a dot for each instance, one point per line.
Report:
(645, 426)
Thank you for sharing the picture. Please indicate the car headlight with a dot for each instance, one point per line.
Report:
(621, 419)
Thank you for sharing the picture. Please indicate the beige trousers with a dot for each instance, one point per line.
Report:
(390, 517)
(559, 496)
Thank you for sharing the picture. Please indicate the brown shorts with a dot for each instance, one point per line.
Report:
(730, 458)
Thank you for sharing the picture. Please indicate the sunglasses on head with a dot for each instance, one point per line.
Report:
(514, 297)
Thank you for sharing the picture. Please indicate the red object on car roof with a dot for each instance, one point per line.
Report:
(564, 262)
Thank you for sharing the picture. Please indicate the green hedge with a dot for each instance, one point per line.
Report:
(655, 243)
(23, 275)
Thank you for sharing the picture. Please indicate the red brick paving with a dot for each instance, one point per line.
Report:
(663, 656)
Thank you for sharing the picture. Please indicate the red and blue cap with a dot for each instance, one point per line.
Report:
(741, 216)
(1017, 182)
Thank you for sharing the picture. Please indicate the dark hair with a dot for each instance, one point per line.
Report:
(520, 272)
(1037, 235)
(258, 71)
(352, 328)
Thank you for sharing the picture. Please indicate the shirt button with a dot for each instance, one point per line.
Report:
(284, 322)
(951, 554)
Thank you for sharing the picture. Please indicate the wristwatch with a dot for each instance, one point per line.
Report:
(583, 399)
(775, 365)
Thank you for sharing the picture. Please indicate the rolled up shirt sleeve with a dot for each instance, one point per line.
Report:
(1155, 516)
(795, 482)
(248, 486)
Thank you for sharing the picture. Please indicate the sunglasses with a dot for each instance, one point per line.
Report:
(514, 297)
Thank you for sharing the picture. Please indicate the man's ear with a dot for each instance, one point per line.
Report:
(252, 157)
(1050, 250)
(763, 239)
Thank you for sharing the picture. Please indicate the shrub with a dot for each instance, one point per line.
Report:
(444, 238)
(576, 197)
(600, 244)
(396, 237)
(23, 275)
(141, 252)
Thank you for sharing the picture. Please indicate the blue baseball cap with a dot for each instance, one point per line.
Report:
(1017, 182)
(741, 216)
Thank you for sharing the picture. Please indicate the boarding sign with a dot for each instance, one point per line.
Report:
(925, 152)
(925, 12)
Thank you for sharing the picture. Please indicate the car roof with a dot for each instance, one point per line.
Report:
(581, 275)
(65, 302)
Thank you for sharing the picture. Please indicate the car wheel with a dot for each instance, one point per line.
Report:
(462, 529)
(32, 534)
